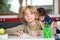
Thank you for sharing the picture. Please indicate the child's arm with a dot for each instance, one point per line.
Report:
(19, 33)
(54, 25)
(14, 30)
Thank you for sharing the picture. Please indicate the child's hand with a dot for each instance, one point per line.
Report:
(19, 33)
(54, 24)
(33, 33)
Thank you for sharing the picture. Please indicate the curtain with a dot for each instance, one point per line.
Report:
(20, 9)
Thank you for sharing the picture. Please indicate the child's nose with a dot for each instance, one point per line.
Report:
(29, 15)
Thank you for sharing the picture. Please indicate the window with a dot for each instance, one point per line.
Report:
(14, 5)
(59, 6)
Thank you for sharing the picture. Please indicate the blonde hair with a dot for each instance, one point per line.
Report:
(32, 9)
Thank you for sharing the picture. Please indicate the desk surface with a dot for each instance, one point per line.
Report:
(26, 37)
(30, 38)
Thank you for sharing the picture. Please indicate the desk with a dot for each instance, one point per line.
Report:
(31, 38)
(27, 37)
(24, 37)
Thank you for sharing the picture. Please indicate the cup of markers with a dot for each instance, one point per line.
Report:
(47, 31)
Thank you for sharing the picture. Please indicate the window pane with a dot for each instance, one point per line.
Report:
(15, 6)
(42, 2)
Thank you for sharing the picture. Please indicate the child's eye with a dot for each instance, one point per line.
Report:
(31, 13)
(25, 14)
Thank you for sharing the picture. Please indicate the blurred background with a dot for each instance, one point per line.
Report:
(12, 6)
(10, 9)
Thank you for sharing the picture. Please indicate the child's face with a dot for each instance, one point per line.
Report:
(41, 18)
(29, 16)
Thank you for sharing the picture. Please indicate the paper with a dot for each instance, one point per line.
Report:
(26, 36)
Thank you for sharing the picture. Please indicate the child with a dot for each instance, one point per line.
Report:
(31, 25)
(43, 16)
